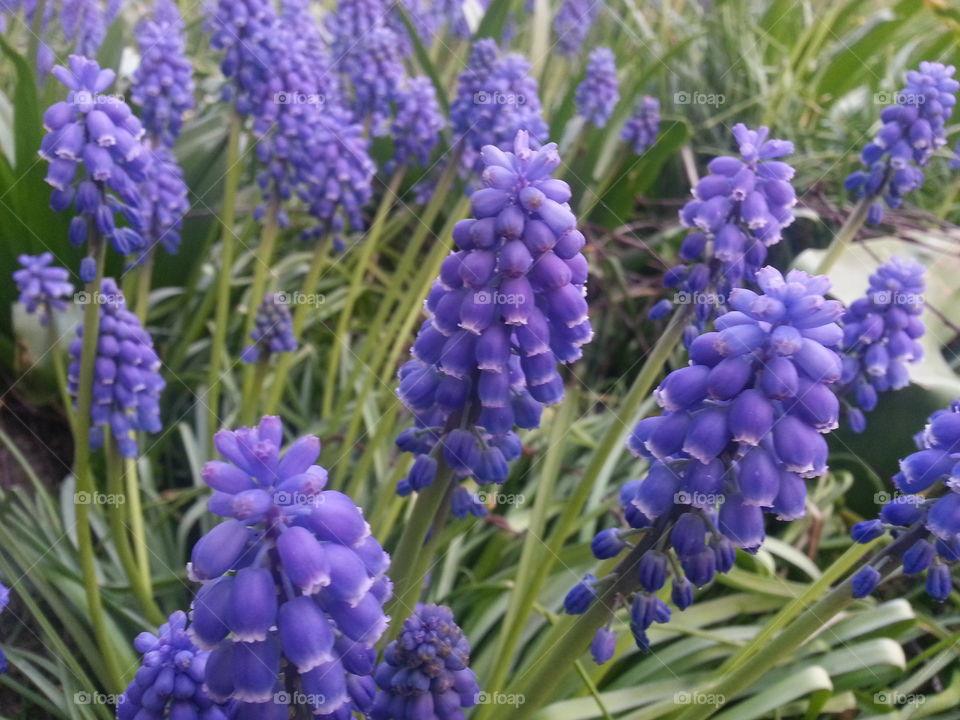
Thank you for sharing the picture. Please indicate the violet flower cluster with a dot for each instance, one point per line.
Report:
(169, 681)
(293, 582)
(641, 129)
(425, 674)
(507, 308)
(880, 336)
(4, 601)
(127, 382)
(913, 130)
(368, 54)
(743, 427)
(597, 95)
(100, 135)
(496, 98)
(42, 286)
(417, 124)
(272, 332)
(572, 24)
(84, 25)
(738, 211)
(924, 516)
(163, 82)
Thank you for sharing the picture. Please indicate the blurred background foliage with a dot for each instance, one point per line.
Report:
(815, 71)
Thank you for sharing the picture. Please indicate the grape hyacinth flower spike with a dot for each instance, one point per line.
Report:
(914, 128)
(100, 135)
(881, 334)
(127, 381)
(273, 331)
(742, 429)
(507, 308)
(597, 95)
(293, 582)
(924, 516)
(425, 674)
(641, 130)
(42, 286)
(4, 601)
(496, 98)
(417, 124)
(572, 24)
(738, 211)
(170, 679)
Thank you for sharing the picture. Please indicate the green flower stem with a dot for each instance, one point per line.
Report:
(411, 559)
(846, 235)
(144, 278)
(285, 361)
(83, 472)
(138, 530)
(261, 267)
(251, 397)
(136, 569)
(572, 635)
(357, 282)
(222, 313)
(532, 555)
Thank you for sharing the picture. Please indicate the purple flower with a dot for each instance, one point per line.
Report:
(164, 200)
(163, 83)
(425, 674)
(507, 308)
(880, 336)
(273, 330)
(4, 601)
(242, 30)
(417, 124)
(926, 526)
(42, 286)
(573, 22)
(581, 595)
(603, 646)
(99, 134)
(913, 130)
(170, 677)
(368, 54)
(742, 428)
(641, 130)
(127, 381)
(599, 92)
(496, 98)
(738, 211)
(294, 583)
